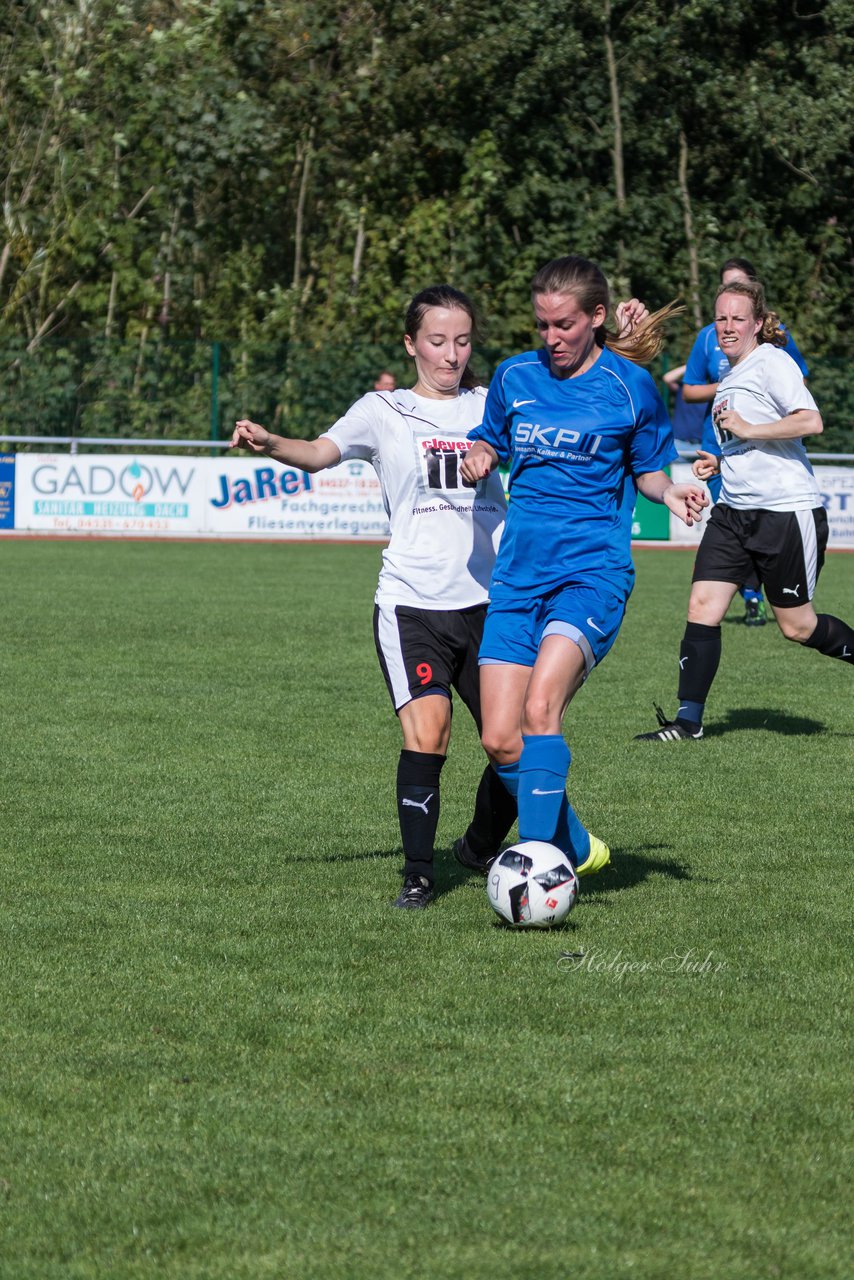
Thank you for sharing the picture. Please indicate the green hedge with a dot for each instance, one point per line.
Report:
(196, 390)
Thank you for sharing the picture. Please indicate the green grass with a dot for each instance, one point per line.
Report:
(223, 1055)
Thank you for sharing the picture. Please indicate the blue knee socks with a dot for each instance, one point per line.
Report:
(539, 781)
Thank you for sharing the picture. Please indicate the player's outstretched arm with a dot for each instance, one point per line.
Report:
(307, 455)
(478, 462)
(686, 501)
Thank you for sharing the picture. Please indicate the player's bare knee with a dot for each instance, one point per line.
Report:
(538, 716)
(704, 611)
(430, 744)
(709, 601)
(501, 749)
(797, 632)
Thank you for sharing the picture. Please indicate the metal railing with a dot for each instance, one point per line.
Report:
(118, 442)
(165, 443)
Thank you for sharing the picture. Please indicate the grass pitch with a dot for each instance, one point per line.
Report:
(225, 1056)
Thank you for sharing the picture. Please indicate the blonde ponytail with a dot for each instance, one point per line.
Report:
(644, 342)
(587, 284)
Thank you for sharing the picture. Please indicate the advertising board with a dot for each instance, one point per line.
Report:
(194, 497)
(244, 497)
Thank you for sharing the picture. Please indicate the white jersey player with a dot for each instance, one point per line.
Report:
(772, 474)
(769, 520)
(444, 534)
(431, 598)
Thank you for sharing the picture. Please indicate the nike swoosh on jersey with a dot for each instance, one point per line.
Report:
(517, 404)
(537, 792)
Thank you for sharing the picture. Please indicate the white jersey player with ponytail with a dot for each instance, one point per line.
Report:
(769, 520)
(431, 598)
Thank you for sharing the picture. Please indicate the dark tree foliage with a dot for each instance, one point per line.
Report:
(280, 177)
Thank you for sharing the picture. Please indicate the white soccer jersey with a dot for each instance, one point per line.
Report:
(444, 536)
(774, 475)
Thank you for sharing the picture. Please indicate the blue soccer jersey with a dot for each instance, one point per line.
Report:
(707, 363)
(575, 446)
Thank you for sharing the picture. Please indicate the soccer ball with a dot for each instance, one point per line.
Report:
(531, 885)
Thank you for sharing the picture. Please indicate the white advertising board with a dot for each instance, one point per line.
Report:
(253, 497)
(195, 497)
(109, 494)
(836, 485)
(245, 497)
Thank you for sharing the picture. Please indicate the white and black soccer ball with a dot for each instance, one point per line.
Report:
(532, 885)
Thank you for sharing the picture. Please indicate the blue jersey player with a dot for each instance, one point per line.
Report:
(707, 366)
(583, 428)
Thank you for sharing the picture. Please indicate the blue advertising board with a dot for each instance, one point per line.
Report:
(7, 490)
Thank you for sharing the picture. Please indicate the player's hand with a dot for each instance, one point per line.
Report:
(687, 501)
(629, 314)
(706, 465)
(729, 420)
(478, 462)
(250, 435)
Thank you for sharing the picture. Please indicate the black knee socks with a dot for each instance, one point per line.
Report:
(494, 815)
(699, 657)
(832, 637)
(418, 809)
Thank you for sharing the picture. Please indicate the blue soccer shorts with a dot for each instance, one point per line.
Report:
(517, 624)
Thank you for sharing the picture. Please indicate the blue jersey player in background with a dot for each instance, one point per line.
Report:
(707, 366)
(583, 428)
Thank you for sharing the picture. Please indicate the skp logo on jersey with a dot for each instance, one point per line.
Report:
(554, 440)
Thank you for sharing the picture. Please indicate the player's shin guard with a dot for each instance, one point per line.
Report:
(699, 658)
(418, 809)
(832, 637)
(543, 770)
(494, 814)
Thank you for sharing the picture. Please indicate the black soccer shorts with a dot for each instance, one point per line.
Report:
(430, 651)
(785, 549)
